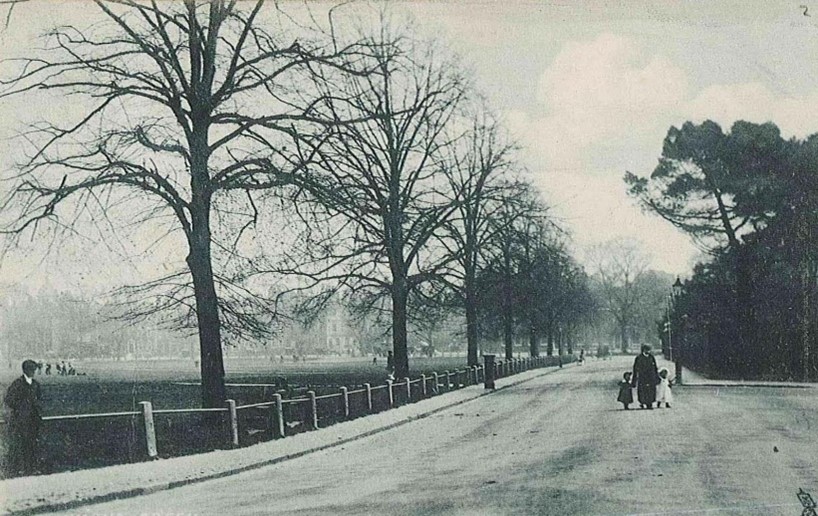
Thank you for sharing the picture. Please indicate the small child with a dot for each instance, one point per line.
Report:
(663, 392)
(625, 391)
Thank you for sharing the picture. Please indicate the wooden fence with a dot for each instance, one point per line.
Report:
(91, 440)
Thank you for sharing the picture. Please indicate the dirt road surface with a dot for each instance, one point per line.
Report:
(558, 444)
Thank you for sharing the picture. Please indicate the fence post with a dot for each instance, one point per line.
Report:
(476, 378)
(423, 386)
(408, 390)
(150, 429)
(345, 400)
(234, 422)
(313, 410)
(446, 384)
(391, 393)
(368, 388)
(489, 370)
(436, 379)
(277, 417)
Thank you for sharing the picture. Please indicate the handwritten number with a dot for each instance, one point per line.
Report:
(806, 10)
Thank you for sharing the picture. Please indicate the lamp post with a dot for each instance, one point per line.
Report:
(677, 357)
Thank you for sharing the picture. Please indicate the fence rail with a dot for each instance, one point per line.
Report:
(148, 433)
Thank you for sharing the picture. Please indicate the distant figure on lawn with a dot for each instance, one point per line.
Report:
(582, 356)
(663, 393)
(23, 400)
(645, 377)
(625, 391)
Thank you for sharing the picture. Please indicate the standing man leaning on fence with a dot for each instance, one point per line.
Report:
(23, 400)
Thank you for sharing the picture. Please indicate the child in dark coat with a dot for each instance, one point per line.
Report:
(625, 391)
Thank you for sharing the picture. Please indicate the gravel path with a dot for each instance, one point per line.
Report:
(557, 444)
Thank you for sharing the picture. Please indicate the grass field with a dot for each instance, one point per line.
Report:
(169, 384)
(104, 387)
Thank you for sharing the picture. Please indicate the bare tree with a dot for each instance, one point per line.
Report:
(188, 106)
(520, 214)
(619, 266)
(378, 181)
(475, 170)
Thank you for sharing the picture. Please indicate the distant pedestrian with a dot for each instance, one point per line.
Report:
(375, 360)
(581, 356)
(48, 369)
(663, 392)
(625, 391)
(645, 377)
(23, 400)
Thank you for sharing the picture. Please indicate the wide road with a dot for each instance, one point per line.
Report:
(558, 444)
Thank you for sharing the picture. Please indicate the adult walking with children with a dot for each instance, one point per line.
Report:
(645, 377)
(23, 401)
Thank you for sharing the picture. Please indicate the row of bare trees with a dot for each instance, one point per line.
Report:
(352, 163)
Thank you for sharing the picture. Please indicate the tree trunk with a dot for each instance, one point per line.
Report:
(550, 336)
(207, 314)
(201, 269)
(508, 315)
(471, 325)
(399, 334)
(623, 334)
(508, 336)
(533, 342)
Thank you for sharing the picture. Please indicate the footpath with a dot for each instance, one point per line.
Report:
(694, 379)
(69, 490)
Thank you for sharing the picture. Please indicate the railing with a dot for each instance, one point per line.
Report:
(92, 440)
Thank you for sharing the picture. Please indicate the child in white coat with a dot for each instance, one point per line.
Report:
(663, 392)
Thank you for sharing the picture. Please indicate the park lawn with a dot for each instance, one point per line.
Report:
(174, 384)
(115, 386)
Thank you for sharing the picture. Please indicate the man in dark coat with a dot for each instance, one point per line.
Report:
(23, 400)
(645, 377)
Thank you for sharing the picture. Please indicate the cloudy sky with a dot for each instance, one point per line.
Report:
(590, 88)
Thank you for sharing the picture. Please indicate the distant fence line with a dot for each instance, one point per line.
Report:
(90, 440)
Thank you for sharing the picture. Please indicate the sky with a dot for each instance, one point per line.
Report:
(589, 88)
